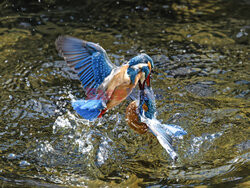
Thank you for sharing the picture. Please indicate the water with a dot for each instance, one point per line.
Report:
(201, 82)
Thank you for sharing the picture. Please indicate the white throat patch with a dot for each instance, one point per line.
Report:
(139, 66)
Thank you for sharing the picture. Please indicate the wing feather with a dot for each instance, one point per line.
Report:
(87, 59)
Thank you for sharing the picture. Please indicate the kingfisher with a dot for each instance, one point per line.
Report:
(105, 84)
(140, 116)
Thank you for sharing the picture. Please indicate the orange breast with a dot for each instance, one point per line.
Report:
(132, 119)
(119, 95)
(123, 87)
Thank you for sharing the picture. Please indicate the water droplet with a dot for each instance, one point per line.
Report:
(24, 163)
(240, 34)
(11, 156)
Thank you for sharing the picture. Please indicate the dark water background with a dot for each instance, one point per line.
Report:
(201, 81)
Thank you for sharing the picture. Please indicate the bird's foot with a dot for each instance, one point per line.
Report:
(102, 112)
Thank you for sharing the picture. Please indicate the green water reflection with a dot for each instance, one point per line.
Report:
(201, 82)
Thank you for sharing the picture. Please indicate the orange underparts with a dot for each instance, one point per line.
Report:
(102, 112)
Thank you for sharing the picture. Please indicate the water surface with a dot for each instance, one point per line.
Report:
(201, 82)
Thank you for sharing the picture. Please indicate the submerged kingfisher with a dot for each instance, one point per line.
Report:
(140, 116)
(105, 84)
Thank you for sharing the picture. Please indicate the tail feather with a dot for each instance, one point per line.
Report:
(88, 109)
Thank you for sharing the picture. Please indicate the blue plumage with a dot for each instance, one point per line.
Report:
(83, 62)
(139, 59)
(87, 82)
(142, 58)
(87, 72)
(132, 74)
(88, 59)
(101, 69)
(88, 109)
(147, 99)
(92, 65)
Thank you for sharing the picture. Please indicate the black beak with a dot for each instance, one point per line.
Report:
(141, 87)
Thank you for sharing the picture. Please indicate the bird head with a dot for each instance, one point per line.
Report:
(144, 64)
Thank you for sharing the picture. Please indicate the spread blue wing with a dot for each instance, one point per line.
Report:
(89, 60)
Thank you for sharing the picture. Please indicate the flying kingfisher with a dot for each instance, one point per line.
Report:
(105, 84)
